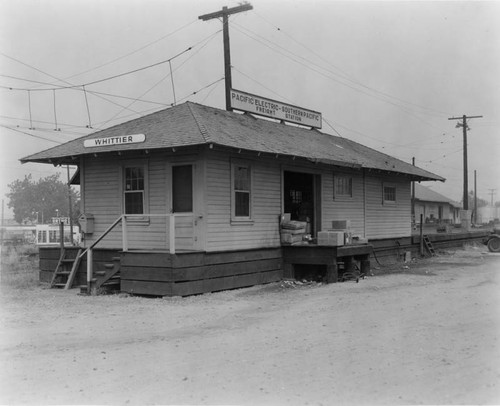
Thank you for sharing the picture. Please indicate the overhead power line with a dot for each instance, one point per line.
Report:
(99, 80)
(341, 76)
(31, 135)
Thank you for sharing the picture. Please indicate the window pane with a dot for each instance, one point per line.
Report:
(134, 203)
(242, 204)
(182, 189)
(390, 193)
(343, 186)
(134, 178)
(241, 178)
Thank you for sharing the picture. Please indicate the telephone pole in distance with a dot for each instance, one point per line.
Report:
(463, 124)
(224, 13)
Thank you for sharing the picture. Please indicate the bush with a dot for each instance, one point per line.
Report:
(19, 266)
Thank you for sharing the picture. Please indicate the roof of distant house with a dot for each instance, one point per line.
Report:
(425, 194)
(192, 124)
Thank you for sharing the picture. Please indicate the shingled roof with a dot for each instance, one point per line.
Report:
(191, 124)
(425, 194)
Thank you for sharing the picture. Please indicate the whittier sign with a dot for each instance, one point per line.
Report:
(111, 141)
(274, 109)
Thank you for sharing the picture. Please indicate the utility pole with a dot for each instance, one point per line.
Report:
(413, 196)
(492, 193)
(1, 242)
(475, 197)
(463, 124)
(224, 13)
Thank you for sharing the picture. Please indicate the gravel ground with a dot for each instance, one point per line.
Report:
(420, 333)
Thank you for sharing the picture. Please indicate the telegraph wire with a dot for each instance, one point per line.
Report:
(31, 135)
(43, 122)
(345, 76)
(47, 130)
(207, 41)
(71, 86)
(95, 92)
(297, 59)
(211, 91)
(32, 67)
(135, 51)
(106, 78)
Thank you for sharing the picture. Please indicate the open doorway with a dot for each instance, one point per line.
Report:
(300, 194)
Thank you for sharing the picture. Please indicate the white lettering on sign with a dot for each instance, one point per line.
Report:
(274, 109)
(120, 140)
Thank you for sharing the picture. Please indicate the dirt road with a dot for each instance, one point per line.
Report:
(426, 335)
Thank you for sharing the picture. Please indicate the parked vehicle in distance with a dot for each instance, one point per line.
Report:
(493, 240)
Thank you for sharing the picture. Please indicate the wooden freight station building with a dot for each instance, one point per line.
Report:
(189, 199)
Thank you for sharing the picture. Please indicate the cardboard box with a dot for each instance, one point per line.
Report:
(341, 224)
(331, 238)
(287, 238)
(293, 225)
(347, 235)
(301, 231)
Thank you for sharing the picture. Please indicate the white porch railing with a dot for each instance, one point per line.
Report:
(169, 231)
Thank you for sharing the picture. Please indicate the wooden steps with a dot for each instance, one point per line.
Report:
(65, 271)
(105, 280)
(428, 245)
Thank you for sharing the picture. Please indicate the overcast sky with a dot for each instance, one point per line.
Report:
(385, 74)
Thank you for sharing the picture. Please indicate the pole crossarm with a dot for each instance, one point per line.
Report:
(226, 11)
(466, 117)
(466, 180)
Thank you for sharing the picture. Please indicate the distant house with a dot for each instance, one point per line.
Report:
(435, 207)
(488, 214)
(198, 190)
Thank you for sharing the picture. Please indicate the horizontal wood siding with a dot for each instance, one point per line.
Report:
(49, 257)
(263, 230)
(103, 199)
(343, 207)
(387, 220)
(101, 184)
(163, 274)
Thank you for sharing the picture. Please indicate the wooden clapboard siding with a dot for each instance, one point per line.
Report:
(164, 274)
(387, 220)
(101, 184)
(103, 199)
(263, 230)
(343, 207)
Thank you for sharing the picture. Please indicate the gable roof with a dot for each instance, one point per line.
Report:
(191, 124)
(425, 194)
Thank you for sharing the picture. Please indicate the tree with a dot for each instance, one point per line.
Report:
(41, 200)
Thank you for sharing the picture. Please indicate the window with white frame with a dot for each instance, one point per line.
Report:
(134, 188)
(389, 193)
(241, 191)
(342, 186)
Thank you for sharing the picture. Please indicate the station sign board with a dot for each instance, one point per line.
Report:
(118, 140)
(58, 220)
(274, 109)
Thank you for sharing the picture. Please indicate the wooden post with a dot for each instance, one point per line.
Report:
(171, 234)
(365, 265)
(421, 235)
(1, 240)
(332, 272)
(124, 233)
(61, 235)
(89, 270)
(224, 13)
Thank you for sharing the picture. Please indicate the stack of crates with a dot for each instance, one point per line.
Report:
(292, 231)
